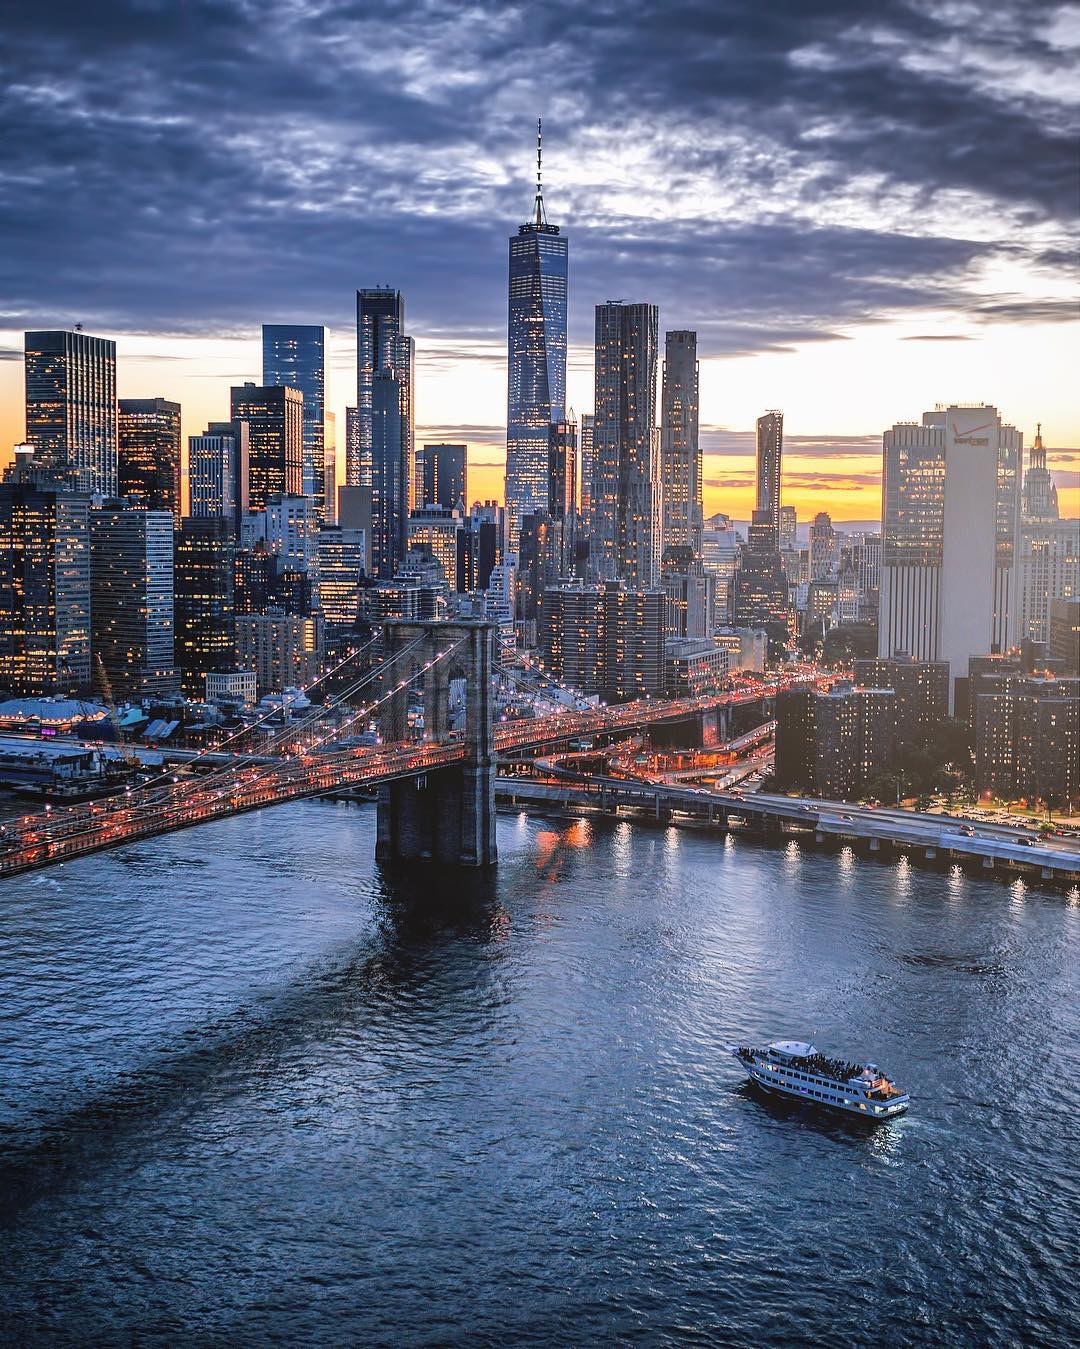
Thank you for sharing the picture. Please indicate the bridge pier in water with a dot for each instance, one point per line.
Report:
(444, 815)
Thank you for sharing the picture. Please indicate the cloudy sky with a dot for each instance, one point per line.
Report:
(864, 209)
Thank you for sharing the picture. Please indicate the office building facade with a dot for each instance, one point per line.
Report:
(625, 497)
(391, 456)
(950, 532)
(132, 600)
(71, 408)
(148, 454)
(44, 591)
(441, 534)
(680, 448)
(294, 356)
(341, 571)
(218, 473)
(1047, 569)
(275, 421)
(441, 477)
(769, 456)
(380, 324)
(204, 608)
(586, 444)
(284, 650)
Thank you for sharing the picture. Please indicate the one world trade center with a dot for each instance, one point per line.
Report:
(536, 359)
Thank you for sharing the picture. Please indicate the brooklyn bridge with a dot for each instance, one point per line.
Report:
(436, 785)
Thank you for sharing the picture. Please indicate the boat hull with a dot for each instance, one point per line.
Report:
(822, 1094)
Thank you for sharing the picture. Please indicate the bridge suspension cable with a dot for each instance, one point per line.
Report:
(154, 796)
(72, 827)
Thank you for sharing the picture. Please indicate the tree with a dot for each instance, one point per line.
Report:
(849, 642)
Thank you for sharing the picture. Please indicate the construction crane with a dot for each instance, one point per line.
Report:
(105, 689)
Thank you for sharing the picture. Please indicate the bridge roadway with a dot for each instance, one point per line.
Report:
(51, 836)
(928, 836)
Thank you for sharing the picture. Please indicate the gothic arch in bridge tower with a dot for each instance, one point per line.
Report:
(447, 814)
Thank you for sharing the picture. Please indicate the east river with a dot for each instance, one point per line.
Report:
(254, 1090)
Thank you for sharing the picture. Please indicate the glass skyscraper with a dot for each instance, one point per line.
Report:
(275, 418)
(440, 476)
(294, 355)
(625, 495)
(380, 319)
(71, 408)
(536, 359)
(770, 449)
(148, 460)
(44, 590)
(680, 449)
(392, 457)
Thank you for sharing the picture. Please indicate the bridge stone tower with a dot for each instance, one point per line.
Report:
(444, 815)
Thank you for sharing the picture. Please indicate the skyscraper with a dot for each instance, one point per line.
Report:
(585, 455)
(824, 547)
(352, 449)
(330, 470)
(342, 557)
(204, 600)
(294, 355)
(218, 473)
(680, 450)
(148, 454)
(1047, 569)
(625, 518)
(441, 476)
(131, 600)
(380, 319)
(44, 590)
(562, 489)
(536, 357)
(788, 528)
(1040, 498)
(950, 526)
(770, 448)
(275, 418)
(71, 407)
(391, 455)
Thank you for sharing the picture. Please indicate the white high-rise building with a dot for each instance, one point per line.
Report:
(289, 526)
(951, 527)
(1048, 568)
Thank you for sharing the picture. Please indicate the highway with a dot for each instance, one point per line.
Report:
(930, 835)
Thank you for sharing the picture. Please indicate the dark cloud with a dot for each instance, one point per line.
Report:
(205, 166)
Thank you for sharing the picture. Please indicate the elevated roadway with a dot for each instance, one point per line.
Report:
(930, 837)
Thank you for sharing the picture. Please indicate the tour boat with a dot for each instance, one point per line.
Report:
(795, 1068)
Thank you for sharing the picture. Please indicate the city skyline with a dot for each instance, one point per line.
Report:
(864, 273)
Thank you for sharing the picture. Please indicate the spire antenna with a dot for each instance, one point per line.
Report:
(541, 218)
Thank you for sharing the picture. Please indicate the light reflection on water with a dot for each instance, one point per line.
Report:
(256, 1089)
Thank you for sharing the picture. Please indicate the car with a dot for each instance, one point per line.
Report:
(1027, 840)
